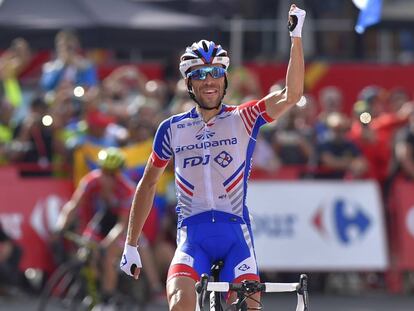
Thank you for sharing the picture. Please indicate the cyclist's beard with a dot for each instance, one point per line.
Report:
(201, 103)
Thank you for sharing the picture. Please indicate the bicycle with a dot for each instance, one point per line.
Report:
(74, 285)
(245, 290)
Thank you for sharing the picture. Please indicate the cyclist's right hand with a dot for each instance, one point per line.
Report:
(131, 261)
(56, 244)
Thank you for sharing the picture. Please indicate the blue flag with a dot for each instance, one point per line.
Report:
(370, 14)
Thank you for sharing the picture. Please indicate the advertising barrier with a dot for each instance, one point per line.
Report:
(403, 223)
(298, 225)
(28, 212)
(321, 226)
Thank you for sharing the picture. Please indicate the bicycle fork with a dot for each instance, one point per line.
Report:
(213, 302)
(302, 293)
(91, 287)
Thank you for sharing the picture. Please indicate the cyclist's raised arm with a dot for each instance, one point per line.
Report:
(278, 102)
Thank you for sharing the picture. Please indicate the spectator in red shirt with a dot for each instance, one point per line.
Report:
(404, 151)
(372, 145)
(373, 131)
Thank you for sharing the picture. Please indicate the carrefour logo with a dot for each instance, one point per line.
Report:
(344, 219)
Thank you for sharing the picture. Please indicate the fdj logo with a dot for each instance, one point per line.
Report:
(124, 261)
(194, 161)
(243, 267)
(223, 159)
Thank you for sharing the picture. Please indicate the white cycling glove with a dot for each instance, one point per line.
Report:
(296, 19)
(130, 259)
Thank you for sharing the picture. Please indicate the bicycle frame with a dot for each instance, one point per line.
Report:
(75, 283)
(248, 288)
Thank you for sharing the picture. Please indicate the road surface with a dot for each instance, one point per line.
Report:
(275, 302)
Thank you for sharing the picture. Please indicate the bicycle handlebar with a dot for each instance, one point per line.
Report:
(251, 287)
(259, 287)
(80, 240)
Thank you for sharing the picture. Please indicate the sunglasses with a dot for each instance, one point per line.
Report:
(201, 73)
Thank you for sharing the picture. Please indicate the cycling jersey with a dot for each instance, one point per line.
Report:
(97, 215)
(212, 161)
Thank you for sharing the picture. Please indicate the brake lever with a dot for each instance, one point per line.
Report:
(201, 289)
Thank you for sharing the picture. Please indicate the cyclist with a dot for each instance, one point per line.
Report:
(101, 204)
(212, 147)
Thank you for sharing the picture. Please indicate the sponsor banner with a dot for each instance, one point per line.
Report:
(29, 208)
(322, 226)
(404, 223)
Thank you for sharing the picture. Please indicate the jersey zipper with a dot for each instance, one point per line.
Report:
(207, 175)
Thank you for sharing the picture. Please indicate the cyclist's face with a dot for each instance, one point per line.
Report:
(209, 92)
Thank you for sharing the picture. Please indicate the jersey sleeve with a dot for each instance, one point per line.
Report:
(254, 115)
(162, 151)
(88, 182)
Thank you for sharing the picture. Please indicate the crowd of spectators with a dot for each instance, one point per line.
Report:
(73, 114)
(72, 107)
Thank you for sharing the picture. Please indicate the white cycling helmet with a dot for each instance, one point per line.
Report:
(203, 52)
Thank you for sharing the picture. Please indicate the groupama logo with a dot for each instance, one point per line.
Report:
(205, 135)
(345, 220)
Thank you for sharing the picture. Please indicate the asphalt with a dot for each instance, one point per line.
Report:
(274, 302)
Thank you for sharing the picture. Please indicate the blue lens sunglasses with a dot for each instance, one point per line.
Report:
(201, 73)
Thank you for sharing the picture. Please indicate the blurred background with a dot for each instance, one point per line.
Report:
(331, 181)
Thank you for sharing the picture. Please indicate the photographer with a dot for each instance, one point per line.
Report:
(69, 65)
(34, 139)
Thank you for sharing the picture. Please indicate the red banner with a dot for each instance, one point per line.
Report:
(351, 78)
(28, 212)
(402, 230)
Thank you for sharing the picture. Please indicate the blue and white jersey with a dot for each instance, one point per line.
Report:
(212, 161)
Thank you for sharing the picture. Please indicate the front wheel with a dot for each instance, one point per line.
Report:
(65, 290)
